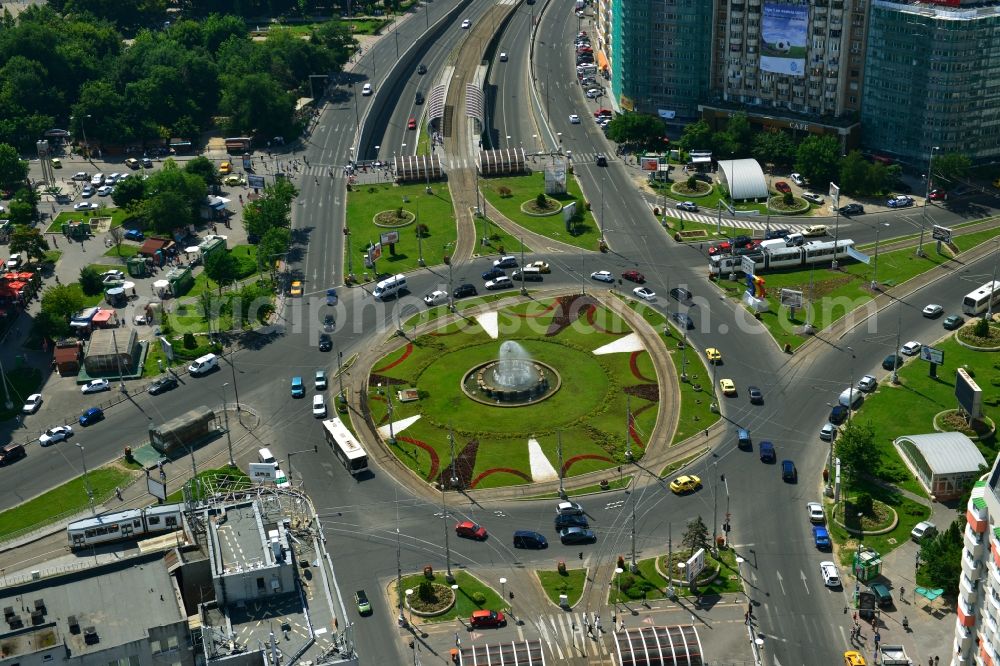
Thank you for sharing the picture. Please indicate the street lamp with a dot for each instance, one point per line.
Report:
(927, 196)
(503, 588)
(86, 481)
(618, 581)
(409, 593)
(83, 128)
(225, 417)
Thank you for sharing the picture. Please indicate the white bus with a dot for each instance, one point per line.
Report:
(345, 446)
(978, 301)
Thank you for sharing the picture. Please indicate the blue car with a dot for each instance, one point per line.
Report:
(331, 296)
(899, 201)
(821, 537)
(493, 273)
(298, 389)
(134, 235)
(92, 415)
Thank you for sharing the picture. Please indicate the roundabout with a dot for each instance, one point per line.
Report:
(520, 392)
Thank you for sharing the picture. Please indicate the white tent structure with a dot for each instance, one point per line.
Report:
(744, 178)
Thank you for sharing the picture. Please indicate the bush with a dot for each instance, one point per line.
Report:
(788, 199)
(692, 182)
(189, 341)
(479, 598)
(503, 191)
(864, 503)
(541, 202)
(426, 591)
(981, 329)
(90, 281)
(422, 230)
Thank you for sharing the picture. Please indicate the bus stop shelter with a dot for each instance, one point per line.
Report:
(411, 168)
(502, 161)
(676, 645)
(512, 653)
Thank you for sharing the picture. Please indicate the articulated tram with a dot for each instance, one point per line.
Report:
(130, 524)
(775, 257)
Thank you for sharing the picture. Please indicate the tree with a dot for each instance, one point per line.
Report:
(854, 173)
(13, 170)
(696, 535)
(117, 236)
(736, 138)
(204, 169)
(696, 136)
(274, 242)
(818, 159)
(256, 102)
(942, 557)
(166, 211)
(856, 449)
(59, 304)
(29, 242)
(637, 129)
(129, 192)
(773, 146)
(90, 281)
(222, 268)
(947, 170)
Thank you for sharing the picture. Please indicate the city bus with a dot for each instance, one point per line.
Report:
(345, 446)
(978, 301)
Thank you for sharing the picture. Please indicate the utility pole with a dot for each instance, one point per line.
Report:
(562, 491)
(628, 427)
(447, 545)
(670, 561)
(927, 196)
(399, 575)
(524, 292)
(451, 441)
(899, 342)
(633, 566)
(874, 284)
(420, 236)
(993, 288)
(388, 397)
(229, 434)
(715, 508)
(340, 375)
(86, 481)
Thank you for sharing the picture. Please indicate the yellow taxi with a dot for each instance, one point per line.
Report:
(296, 289)
(727, 386)
(56, 163)
(685, 484)
(713, 355)
(853, 658)
(541, 266)
(233, 180)
(225, 168)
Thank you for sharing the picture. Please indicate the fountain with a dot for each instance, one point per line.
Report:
(511, 380)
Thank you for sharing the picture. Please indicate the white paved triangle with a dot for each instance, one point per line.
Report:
(541, 468)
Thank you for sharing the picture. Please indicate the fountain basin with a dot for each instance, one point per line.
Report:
(536, 382)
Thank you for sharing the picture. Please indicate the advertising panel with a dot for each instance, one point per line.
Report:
(389, 237)
(256, 182)
(783, 44)
(791, 298)
(940, 233)
(932, 354)
(695, 565)
(649, 163)
(555, 177)
(968, 393)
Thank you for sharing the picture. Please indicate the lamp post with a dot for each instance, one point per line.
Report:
(409, 593)
(524, 290)
(503, 588)
(83, 128)
(447, 543)
(927, 196)
(229, 435)
(86, 481)
(340, 376)
(989, 306)
(850, 385)
(618, 581)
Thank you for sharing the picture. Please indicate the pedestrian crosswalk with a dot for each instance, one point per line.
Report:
(572, 634)
(755, 223)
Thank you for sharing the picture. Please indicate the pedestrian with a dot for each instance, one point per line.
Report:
(621, 626)
(936, 660)
(118, 492)
(580, 555)
(746, 620)
(855, 617)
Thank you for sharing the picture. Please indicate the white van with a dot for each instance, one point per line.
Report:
(852, 398)
(774, 242)
(794, 240)
(204, 364)
(390, 287)
(264, 456)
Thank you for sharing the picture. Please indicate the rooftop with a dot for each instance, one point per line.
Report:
(240, 537)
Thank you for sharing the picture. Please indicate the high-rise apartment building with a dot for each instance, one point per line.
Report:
(977, 625)
(932, 79)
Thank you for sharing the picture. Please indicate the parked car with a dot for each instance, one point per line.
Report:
(933, 310)
(838, 414)
(493, 273)
(132, 163)
(470, 530)
(830, 573)
(821, 537)
(32, 404)
(133, 235)
(147, 163)
(923, 530)
(55, 434)
(797, 179)
(883, 597)
(465, 290)
(164, 383)
(81, 175)
(938, 195)
(828, 432)
(507, 261)
(867, 384)
(782, 187)
(634, 276)
(911, 348)
(85, 205)
(812, 197)
(852, 209)
(899, 201)
(815, 511)
(96, 386)
(576, 535)
(92, 415)
(502, 282)
(892, 362)
(436, 297)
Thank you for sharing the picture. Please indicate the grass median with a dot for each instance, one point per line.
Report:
(570, 583)
(472, 595)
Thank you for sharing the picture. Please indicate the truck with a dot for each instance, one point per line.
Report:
(893, 655)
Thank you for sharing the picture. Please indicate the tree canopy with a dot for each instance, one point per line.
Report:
(856, 449)
(638, 130)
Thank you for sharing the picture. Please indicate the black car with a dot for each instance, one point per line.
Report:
(162, 384)
(838, 414)
(852, 209)
(422, 69)
(565, 520)
(147, 163)
(952, 322)
(575, 535)
(683, 320)
(890, 360)
(465, 290)
(419, 99)
(741, 241)
(601, 159)
(776, 233)
(493, 273)
(788, 471)
(681, 294)
(756, 396)
(325, 343)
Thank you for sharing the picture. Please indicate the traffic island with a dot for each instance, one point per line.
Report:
(564, 587)
(429, 598)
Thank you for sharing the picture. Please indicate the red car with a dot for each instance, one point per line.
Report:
(605, 113)
(938, 195)
(634, 276)
(722, 248)
(412, 124)
(782, 187)
(487, 618)
(470, 530)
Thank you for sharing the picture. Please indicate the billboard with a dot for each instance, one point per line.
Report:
(791, 298)
(649, 163)
(940, 233)
(262, 472)
(389, 237)
(968, 393)
(931, 355)
(695, 565)
(256, 182)
(783, 39)
(555, 176)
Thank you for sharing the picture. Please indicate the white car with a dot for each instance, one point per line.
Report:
(867, 384)
(574, 119)
(645, 294)
(112, 276)
(96, 386)
(114, 178)
(319, 406)
(97, 179)
(933, 310)
(797, 179)
(104, 190)
(466, 24)
(32, 404)
(828, 432)
(923, 529)
(813, 197)
(594, 93)
(366, 89)
(436, 298)
(87, 191)
(831, 576)
(602, 276)
(81, 175)
(14, 261)
(816, 514)
(569, 509)
(503, 56)
(911, 348)
(85, 205)
(502, 282)
(56, 434)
